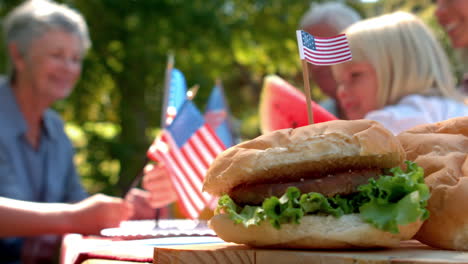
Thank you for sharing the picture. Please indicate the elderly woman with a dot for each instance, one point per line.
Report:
(46, 43)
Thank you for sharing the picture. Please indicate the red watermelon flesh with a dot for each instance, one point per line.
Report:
(284, 106)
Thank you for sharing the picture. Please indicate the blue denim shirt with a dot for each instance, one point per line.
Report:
(47, 174)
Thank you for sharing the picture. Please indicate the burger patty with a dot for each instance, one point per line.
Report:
(342, 183)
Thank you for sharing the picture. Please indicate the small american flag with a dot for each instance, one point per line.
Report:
(188, 146)
(323, 51)
(218, 117)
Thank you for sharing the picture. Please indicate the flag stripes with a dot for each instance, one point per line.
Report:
(329, 62)
(331, 54)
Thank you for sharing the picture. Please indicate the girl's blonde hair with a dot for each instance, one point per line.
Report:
(405, 55)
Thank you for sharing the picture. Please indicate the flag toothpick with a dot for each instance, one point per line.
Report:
(305, 74)
(322, 52)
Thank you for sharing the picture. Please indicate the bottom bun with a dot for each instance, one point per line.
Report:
(325, 232)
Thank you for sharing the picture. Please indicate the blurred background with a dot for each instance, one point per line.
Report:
(114, 112)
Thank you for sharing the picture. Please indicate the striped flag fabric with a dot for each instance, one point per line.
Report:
(187, 147)
(323, 51)
(177, 94)
(218, 117)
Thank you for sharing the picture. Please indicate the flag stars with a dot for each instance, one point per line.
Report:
(308, 40)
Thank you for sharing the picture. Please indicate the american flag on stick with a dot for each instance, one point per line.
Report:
(188, 146)
(218, 117)
(323, 51)
(320, 51)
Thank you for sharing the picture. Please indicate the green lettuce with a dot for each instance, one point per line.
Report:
(396, 198)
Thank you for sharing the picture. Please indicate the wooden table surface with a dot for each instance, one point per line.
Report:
(408, 252)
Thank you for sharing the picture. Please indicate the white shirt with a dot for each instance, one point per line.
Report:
(415, 110)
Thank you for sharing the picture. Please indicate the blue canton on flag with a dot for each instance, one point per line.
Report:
(308, 40)
(177, 94)
(186, 124)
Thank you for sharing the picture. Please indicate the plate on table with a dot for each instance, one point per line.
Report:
(139, 229)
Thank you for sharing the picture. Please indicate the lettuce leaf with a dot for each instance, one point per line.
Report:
(396, 198)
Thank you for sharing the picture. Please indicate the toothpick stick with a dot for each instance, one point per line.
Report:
(305, 74)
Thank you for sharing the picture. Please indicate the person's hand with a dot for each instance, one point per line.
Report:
(140, 200)
(97, 212)
(157, 181)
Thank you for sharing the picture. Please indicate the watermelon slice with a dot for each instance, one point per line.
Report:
(284, 106)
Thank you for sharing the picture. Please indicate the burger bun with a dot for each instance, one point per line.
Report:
(442, 150)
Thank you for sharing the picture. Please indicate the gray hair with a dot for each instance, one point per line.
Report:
(33, 18)
(334, 14)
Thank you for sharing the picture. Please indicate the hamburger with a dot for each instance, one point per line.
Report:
(441, 149)
(337, 184)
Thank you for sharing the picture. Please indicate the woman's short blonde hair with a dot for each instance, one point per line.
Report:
(405, 55)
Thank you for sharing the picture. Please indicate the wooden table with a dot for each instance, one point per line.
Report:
(408, 252)
(213, 250)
